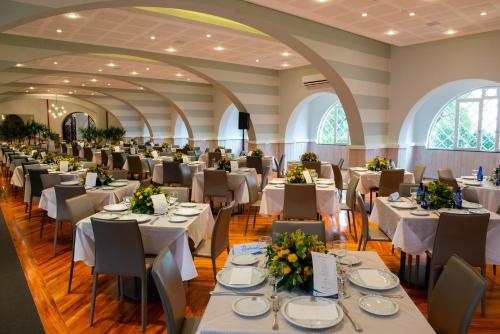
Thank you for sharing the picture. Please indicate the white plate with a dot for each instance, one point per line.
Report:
(105, 215)
(472, 183)
(141, 218)
(251, 306)
(188, 205)
(118, 183)
(378, 305)
(281, 185)
(455, 211)
(469, 177)
(177, 219)
(420, 212)
(319, 185)
(404, 205)
(244, 259)
(187, 212)
(224, 277)
(277, 181)
(312, 323)
(471, 205)
(349, 259)
(70, 183)
(325, 181)
(359, 169)
(115, 207)
(390, 280)
(107, 188)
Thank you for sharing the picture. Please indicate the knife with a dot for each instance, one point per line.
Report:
(230, 293)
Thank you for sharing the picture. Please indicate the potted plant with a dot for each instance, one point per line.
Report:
(441, 195)
(257, 153)
(177, 156)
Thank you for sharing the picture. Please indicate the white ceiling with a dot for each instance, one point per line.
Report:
(82, 81)
(431, 20)
(56, 91)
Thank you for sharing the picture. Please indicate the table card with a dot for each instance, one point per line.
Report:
(132, 150)
(154, 154)
(90, 180)
(185, 159)
(234, 166)
(174, 150)
(222, 151)
(117, 148)
(160, 204)
(307, 176)
(325, 275)
(63, 166)
(249, 248)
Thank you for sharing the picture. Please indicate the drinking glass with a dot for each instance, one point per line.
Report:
(340, 248)
(413, 193)
(277, 274)
(173, 197)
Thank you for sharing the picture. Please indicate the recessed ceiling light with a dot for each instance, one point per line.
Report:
(83, 85)
(141, 88)
(99, 70)
(108, 84)
(66, 81)
(72, 15)
(171, 50)
(70, 92)
(483, 13)
(111, 64)
(219, 48)
(208, 35)
(55, 63)
(411, 14)
(391, 32)
(92, 93)
(285, 54)
(26, 91)
(322, 1)
(147, 68)
(152, 37)
(257, 60)
(19, 65)
(188, 79)
(134, 73)
(93, 80)
(32, 87)
(179, 75)
(364, 14)
(59, 31)
(450, 32)
(285, 65)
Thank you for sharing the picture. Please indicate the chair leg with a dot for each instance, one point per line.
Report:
(72, 261)
(371, 200)
(144, 303)
(43, 223)
(364, 244)
(360, 241)
(248, 218)
(417, 270)
(349, 221)
(56, 231)
(254, 217)
(495, 269)
(410, 262)
(354, 226)
(30, 208)
(392, 250)
(483, 300)
(92, 301)
(214, 268)
(26, 207)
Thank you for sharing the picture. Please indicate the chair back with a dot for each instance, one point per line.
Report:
(350, 199)
(360, 208)
(308, 227)
(187, 180)
(300, 202)
(134, 164)
(119, 174)
(341, 163)
(87, 153)
(62, 194)
(253, 188)
(418, 173)
(79, 207)
(255, 162)
(118, 159)
(215, 183)
(28, 163)
(50, 180)
(172, 172)
(36, 181)
(64, 148)
(281, 165)
(452, 183)
(220, 233)
(76, 151)
(104, 158)
(182, 193)
(455, 297)
(118, 247)
(314, 165)
(405, 189)
(390, 181)
(337, 176)
(213, 158)
(170, 287)
(445, 173)
(88, 164)
(470, 194)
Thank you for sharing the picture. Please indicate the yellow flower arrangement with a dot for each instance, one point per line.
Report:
(309, 156)
(295, 175)
(73, 164)
(377, 164)
(177, 156)
(224, 164)
(141, 202)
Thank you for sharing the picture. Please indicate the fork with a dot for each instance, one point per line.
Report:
(276, 308)
(381, 294)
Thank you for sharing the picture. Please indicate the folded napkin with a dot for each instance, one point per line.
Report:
(249, 248)
(394, 197)
(241, 276)
(371, 277)
(312, 312)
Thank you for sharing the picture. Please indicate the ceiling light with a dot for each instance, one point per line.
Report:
(152, 38)
(111, 64)
(364, 14)
(285, 54)
(322, 1)
(179, 75)
(52, 105)
(450, 32)
(171, 50)
(141, 88)
(66, 81)
(411, 14)
(108, 84)
(55, 63)
(134, 73)
(257, 60)
(208, 35)
(92, 93)
(147, 68)
(32, 87)
(59, 31)
(60, 114)
(219, 48)
(188, 79)
(93, 80)
(83, 85)
(99, 70)
(483, 13)
(26, 91)
(72, 15)
(285, 65)
(391, 32)
(19, 65)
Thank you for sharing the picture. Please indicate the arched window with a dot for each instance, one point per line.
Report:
(333, 128)
(73, 122)
(469, 122)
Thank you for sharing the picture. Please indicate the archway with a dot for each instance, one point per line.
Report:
(181, 135)
(228, 134)
(72, 124)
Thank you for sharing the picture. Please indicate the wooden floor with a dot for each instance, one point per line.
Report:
(61, 312)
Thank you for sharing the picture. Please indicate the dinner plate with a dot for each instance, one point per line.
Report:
(118, 183)
(320, 185)
(187, 212)
(105, 215)
(455, 211)
(107, 188)
(70, 183)
(188, 205)
(251, 306)
(349, 259)
(420, 212)
(360, 169)
(472, 183)
(280, 185)
(324, 181)
(404, 205)
(115, 207)
(177, 219)
(244, 259)
(377, 279)
(141, 219)
(471, 205)
(469, 177)
(277, 181)
(378, 305)
(309, 303)
(224, 277)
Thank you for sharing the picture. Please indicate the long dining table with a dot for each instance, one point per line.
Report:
(326, 168)
(371, 179)
(194, 167)
(488, 194)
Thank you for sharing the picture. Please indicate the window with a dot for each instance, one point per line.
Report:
(469, 122)
(333, 128)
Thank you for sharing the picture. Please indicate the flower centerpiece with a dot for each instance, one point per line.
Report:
(165, 145)
(309, 156)
(177, 156)
(188, 147)
(257, 153)
(495, 175)
(377, 164)
(441, 195)
(112, 148)
(292, 251)
(73, 164)
(148, 153)
(141, 202)
(219, 148)
(225, 164)
(133, 141)
(26, 150)
(103, 178)
(50, 158)
(296, 175)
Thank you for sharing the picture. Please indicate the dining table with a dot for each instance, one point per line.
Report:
(100, 196)
(371, 179)
(414, 234)
(267, 163)
(326, 168)
(194, 167)
(158, 232)
(219, 316)
(487, 192)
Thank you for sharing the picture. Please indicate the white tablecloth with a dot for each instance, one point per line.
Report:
(237, 183)
(144, 164)
(99, 197)
(194, 168)
(219, 317)
(370, 179)
(272, 202)
(267, 164)
(414, 234)
(155, 238)
(488, 195)
(326, 168)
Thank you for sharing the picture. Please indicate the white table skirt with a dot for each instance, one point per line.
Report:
(99, 197)
(488, 195)
(237, 184)
(370, 179)
(273, 198)
(194, 168)
(220, 319)
(414, 235)
(326, 168)
(144, 164)
(267, 164)
(155, 238)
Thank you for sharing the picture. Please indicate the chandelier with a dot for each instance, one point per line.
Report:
(57, 110)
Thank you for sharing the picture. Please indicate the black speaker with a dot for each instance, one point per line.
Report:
(243, 121)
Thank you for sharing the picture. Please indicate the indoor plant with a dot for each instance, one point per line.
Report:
(224, 164)
(257, 153)
(177, 156)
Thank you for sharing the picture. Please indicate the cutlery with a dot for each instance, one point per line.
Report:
(380, 294)
(153, 220)
(357, 327)
(231, 293)
(276, 308)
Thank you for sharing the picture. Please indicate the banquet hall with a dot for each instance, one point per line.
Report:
(249, 166)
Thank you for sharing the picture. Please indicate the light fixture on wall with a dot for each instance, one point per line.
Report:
(56, 110)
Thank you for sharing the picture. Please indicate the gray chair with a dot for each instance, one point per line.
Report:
(418, 173)
(390, 180)
(339, 182)
(253, 198)
(36, 186)
(455, 297)
(168, 281)
(64, 149)
(48, 181)
(340, 163)
(62, 214)
(88, 154)
(451, 182)
(464, 235)
(470, 194)
(220, 238)
(118, 174)
(368, 233)
(79, 207)
(216, 185)
(182, 193)
(300, 202)
(405, 189)
(350, 203)
(308, 227)
(213, 158)
(118, 159)
(119, 251)
(445, 173)
(172, 173)
(135, 166)
(255, 162)
(314, 165)
(104, 158)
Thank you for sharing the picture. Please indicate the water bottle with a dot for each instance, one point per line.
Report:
(425, 200)
(391, 164)
(480, 174)
(457, 200)
(420, 193)
(497, 176)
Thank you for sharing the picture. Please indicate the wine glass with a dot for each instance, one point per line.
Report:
(413, 193)
(173, 197)
(277, 273)
(340, 248)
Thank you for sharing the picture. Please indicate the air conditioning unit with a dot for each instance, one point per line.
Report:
(313, 80)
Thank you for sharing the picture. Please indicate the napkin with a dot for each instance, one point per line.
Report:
(43, 154)
(154, 154)
(249, 248)
(394, 197)
(160, 204)
(241, 276)
(185, 159)
(307, 176)
(63, 165)
(372, 278)
(312, 312)
(234, 166)
(90, 179)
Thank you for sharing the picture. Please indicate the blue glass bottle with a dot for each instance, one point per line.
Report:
(457, 200)
(425, 199)
(480, 174)
(497, 176)
(420, 193)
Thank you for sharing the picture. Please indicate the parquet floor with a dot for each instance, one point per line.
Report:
(61, 312)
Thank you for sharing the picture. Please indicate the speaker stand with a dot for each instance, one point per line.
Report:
(242, 143)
